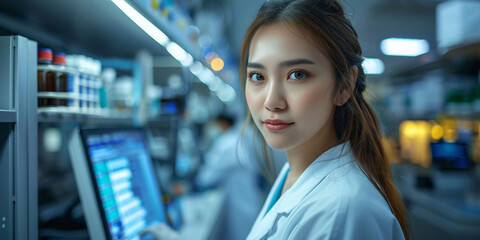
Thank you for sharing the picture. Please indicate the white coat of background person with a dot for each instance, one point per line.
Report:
(231, 164)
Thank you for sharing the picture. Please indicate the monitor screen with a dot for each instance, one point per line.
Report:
(450, 155)
(126, 189)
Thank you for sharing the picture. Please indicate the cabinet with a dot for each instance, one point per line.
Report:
(18, 138)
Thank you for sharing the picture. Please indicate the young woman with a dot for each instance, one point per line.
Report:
(304, 84)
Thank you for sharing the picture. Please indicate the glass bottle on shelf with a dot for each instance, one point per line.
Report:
(45, 78)
(62, 77)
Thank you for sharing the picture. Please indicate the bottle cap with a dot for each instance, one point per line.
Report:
(44, 55)
(59, 58)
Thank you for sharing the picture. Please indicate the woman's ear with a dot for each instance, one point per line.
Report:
(345, 94)
(354, 75)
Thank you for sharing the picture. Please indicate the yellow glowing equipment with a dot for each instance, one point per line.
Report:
(415, 139)
(437, 132)
(449, 129)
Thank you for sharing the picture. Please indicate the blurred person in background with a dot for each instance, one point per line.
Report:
(229, 164)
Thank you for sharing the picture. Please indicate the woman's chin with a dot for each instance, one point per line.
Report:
(278, 145)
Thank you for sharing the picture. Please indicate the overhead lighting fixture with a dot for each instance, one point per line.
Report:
(206, 76)
(196, 67)
(178, 53)
(142, 22)
(373, 66)
(224, 91)
(216, 84)
(404, 47)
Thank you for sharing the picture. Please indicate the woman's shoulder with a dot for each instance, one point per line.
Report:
(346, 204)
(347, 186)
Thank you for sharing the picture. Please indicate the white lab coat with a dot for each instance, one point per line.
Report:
(332, 199)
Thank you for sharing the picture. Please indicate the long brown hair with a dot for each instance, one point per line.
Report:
(355, 121)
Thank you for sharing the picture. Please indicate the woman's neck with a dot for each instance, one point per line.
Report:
(302, 156)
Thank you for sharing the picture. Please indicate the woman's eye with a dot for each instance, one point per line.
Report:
(256, 77)
(297, 75)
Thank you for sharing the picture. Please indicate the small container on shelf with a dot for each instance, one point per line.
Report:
(46, 76)
(65, 82)
(82, 93)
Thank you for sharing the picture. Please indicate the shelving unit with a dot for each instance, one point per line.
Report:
(18, 138)
(71, 117)
(8, 116)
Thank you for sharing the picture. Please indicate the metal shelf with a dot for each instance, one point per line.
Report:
(53, 115)
(8, 116)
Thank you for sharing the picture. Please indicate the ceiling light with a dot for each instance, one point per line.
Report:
(196, 68)
(142, 22)
(373, 66)
(178, 53)
(404, 47)
(226, 93)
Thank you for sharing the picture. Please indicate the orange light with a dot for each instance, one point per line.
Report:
(217, 64)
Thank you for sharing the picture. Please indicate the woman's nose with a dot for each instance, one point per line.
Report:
(275, 97)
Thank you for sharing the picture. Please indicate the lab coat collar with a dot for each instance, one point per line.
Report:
(311, 177)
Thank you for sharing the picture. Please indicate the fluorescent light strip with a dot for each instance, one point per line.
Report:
(216, 84)
(226, 93)
(406, 47)
(142, 22)
(178, 53)
(223, 91)
(196, 68)
(373, 66)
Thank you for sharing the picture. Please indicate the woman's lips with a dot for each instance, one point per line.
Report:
(276, 125)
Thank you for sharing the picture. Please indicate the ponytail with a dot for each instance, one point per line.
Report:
(356, 122)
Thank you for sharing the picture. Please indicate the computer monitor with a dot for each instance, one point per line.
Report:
(450, 155)
(118, 189)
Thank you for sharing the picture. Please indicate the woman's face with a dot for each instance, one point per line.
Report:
(289, 89)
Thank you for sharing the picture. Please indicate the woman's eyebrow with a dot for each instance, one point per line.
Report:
(287, 63)
(255, 65)
(294, 62)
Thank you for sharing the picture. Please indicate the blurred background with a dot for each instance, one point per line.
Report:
(170, 67)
